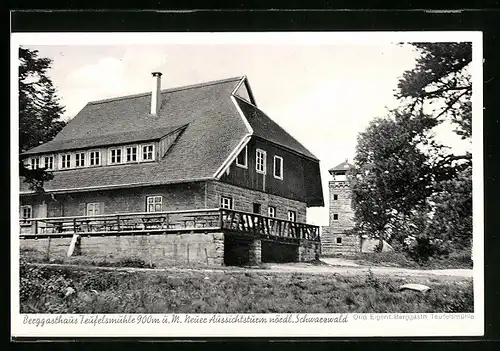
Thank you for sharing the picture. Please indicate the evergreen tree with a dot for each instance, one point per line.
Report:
(40, 111)
(406, 184)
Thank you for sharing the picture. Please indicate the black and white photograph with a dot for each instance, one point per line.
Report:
(247, 184)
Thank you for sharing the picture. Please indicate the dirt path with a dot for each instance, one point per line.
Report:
(346, 267)
(330, 266)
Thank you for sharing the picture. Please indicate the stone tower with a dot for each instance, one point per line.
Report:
(334, 239)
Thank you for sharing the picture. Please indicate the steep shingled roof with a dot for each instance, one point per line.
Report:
(264, 127)
(213, 130)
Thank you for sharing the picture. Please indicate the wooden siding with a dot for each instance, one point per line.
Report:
(294, 176)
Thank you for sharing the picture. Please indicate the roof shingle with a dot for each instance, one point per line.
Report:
(213, 130)
(264, 127)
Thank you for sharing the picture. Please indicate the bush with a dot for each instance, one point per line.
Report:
(423, 248)
(36, 281)
(133, 262)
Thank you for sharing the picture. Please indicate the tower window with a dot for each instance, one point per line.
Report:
(338, 240)
(335, 217)
(335, 197)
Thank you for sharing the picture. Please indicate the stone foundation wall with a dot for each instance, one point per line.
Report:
(161, 250)
(309, 251)
(350, 244)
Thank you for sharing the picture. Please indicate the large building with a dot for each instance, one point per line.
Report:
(195, 147)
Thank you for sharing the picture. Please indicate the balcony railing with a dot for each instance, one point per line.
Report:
(267, 226)
(203, 220)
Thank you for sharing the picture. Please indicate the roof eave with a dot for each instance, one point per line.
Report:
(118, 186)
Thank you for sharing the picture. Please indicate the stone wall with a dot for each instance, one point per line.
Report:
(161, 250)
(308, 251)
(340, 205)
(186, 196)
(334, 242)
(243, 200)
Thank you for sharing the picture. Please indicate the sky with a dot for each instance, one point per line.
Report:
(323, 95)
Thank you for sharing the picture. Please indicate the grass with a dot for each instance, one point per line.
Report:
(36, 256)
(455, 260)
(106, 290)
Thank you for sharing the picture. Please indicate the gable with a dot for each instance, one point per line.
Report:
(265, 128)
(242, 91)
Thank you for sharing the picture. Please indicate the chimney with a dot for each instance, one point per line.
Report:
(156, 93)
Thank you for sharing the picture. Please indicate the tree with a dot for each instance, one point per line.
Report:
(441, 77)
(390, 177)
(404, 182)
(40, 111)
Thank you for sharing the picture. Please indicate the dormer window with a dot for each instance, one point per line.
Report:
(80, 159)
(66, 161)
(242, 159)
(48, 162)
(147, 152)
(35, 163)
(95, 158)
(115, 156)
(132, 154)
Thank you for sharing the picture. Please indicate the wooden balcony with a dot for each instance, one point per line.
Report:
(192, 221)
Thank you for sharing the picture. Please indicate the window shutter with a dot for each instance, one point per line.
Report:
(82, 209)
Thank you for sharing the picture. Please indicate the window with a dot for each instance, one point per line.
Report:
(335, 217)
(339, 240)
(292, 216)
(271, 211)
(256, 208)
(116, 156)
(226, 202)
(48, 162)
(278, 167)
(335, 197)
(26, 212)
(154, 203)
(95, 158)
(260, 161)
(80, 159)
(66, 161)
(147, 152)
(35, 163)
(242, 159)
(132, 154)
(93, 209)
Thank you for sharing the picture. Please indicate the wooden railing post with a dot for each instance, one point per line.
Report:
(74, 225)
(221, 219)
(118, 222)
(35, 227)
